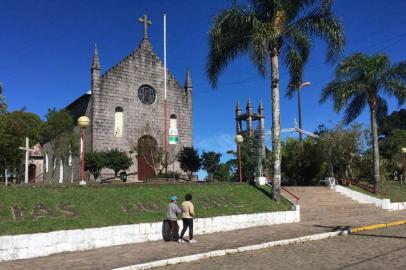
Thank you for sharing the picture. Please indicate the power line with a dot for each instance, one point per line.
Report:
(398, 38)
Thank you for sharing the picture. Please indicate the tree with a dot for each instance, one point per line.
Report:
(303, 163)
(211, 162)
(117, 160)
(343, 148)
(189, 160)
(396, 120)
(224, 172)
(267, 30)
(14, 127)
(95, 162)
(58, 131)
(3, 103)
(249, 158)
(360, 80)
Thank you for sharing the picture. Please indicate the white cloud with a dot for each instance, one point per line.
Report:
(216, 142)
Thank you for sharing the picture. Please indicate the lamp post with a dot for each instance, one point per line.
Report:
(239, 140)
(83, 123)
(299, 105)
(403, 150)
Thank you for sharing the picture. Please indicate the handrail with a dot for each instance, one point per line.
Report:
(290, 193)
(360, 185)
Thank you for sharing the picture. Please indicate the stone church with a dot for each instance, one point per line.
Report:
(125, 106)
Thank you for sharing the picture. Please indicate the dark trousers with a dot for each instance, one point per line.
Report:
(187, 223)
(174, 229)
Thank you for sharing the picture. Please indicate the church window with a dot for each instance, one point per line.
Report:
(147, 94)
(46, 162)
(173, 122)
(118, 122)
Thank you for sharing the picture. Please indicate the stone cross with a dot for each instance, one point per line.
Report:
(144, 20)
(27, 155)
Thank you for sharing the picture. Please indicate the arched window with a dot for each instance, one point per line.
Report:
(173, 122)
(118, 122)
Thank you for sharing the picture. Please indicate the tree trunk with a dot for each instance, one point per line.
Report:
(375, 148)
(276, 128)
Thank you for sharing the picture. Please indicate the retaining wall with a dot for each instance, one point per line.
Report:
(13, 247)
(364, 198)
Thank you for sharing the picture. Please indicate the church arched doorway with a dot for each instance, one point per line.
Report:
(32, 171)
(147, 157)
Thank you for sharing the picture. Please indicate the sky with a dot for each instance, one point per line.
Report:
(46, 50)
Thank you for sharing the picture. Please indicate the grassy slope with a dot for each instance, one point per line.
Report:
(96, 206)
(387, 190)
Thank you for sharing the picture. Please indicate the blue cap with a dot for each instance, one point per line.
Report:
(173, 198)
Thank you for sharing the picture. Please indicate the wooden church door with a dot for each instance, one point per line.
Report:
(147, 155)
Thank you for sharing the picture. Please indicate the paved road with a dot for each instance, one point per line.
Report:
(380, 249)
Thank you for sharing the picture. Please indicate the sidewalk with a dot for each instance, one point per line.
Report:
(119, 256)
(323, 211)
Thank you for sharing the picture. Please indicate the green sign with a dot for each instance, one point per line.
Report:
(173, 139)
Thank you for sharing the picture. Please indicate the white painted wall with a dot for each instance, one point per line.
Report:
(364, 198)
(13, 247)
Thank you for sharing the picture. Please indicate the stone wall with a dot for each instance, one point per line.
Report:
(118, 87)
(43, 244)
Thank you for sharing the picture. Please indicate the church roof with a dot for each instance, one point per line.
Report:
(145, 47)
(79, 106)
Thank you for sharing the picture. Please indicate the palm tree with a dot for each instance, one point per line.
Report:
(360, 80)
(267, 30)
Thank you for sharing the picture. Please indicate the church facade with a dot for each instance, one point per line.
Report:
(125, 106)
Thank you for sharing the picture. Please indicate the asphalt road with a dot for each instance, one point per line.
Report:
(383, 249)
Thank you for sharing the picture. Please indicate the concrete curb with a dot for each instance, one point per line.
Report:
(217, 253)
(378, 226)
(223, 252)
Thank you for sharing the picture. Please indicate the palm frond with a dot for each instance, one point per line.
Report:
(352, 66)
(296, 50)
(394, 82)
(229, 36)
(265, 10)
(381, 110)
(340, 92)
(295, 65)
(321, 23)
(355, 107)
(263, 37)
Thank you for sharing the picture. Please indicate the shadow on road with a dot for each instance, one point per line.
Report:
(378, 235)
(370, 258)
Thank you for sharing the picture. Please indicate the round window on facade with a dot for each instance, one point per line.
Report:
(147, 94)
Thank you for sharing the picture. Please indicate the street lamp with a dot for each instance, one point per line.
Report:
(403, 150)
(239, 140)
(299, 105)
(83, 123)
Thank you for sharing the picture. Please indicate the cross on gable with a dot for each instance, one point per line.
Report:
(144, 20)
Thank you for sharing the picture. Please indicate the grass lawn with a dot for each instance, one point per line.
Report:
(392, 190)
(30, 209)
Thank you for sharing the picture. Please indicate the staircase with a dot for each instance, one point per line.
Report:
(320, 203)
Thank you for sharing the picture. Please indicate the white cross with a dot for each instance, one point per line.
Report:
(27, 155)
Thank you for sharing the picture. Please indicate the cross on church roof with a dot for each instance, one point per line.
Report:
(144, 20)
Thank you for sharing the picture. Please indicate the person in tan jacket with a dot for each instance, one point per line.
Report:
(188, 213)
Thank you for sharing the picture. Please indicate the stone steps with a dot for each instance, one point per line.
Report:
(319, 203)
